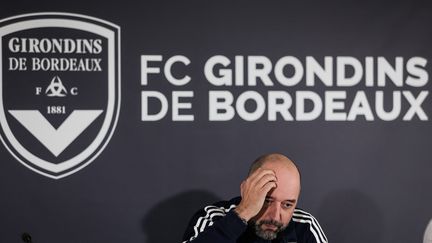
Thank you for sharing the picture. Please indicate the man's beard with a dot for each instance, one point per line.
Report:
(268, 234)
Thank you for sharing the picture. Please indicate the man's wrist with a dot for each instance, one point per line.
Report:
(242, 214)
(241, 217)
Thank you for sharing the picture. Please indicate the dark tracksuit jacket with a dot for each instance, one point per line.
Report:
(219, 223)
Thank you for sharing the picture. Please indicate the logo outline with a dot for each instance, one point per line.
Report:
(111, 116)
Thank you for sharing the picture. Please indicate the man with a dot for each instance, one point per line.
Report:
(265, 212)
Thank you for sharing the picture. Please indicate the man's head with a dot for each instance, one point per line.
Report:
(280, 202)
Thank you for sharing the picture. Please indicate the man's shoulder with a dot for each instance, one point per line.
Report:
(306, 224)
(220, 208)
(212, 214)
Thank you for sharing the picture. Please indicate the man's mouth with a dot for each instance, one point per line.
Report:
(271, 227)
(268, 229)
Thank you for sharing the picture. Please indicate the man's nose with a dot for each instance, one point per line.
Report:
(274, 211)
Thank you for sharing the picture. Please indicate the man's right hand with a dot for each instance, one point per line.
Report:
(254, 191)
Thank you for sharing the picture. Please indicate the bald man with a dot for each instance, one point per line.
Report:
(265, 212)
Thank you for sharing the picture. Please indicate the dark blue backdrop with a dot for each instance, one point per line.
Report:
(365, 181)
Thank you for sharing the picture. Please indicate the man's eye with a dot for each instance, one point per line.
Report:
(267, 200)
(287, 205)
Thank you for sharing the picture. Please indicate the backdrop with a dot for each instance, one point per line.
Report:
(161, 106)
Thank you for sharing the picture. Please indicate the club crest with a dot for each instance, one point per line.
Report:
(59, 89)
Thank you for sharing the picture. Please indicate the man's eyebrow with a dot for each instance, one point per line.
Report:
(287, 200)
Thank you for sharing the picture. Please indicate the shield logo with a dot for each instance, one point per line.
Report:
(59, 89)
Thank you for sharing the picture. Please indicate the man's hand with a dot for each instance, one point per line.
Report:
(254, 191)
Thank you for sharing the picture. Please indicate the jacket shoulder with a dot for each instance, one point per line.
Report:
(206, 216)
(307, 227)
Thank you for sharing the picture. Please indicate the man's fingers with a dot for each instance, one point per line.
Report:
(261, 172)
(265, 179)
(257, 172)
(267, 187)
